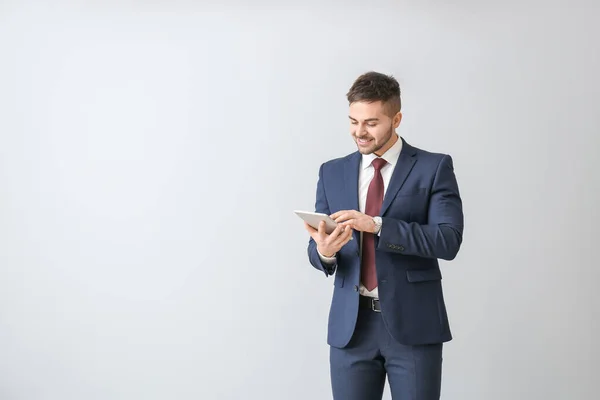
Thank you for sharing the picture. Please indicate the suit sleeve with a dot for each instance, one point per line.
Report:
(326, 265)
(441, 237)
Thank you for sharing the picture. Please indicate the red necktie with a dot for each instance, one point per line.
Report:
(372, 208)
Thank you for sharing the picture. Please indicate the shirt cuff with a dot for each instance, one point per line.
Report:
(327, 260)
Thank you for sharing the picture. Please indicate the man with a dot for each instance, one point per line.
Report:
(402, 206)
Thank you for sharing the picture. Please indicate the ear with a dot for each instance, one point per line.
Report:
(397, 118)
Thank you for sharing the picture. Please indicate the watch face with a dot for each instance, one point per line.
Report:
(377, 221)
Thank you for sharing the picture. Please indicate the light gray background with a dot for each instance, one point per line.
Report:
(151, 156)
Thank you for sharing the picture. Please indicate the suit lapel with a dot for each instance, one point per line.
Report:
(351, 185)
(405, 163)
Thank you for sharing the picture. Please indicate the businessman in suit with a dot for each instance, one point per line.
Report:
(402, 206)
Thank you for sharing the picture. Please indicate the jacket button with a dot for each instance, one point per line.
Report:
(355, 288)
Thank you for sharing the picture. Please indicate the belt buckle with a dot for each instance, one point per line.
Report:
(373, 305)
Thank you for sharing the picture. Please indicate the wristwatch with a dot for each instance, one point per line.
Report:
(378, 222)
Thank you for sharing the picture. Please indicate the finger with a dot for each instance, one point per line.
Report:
(309, 228)
(341, 213)
(312, 231)
(346, 215)
(342, 217)
(321, 229)
(336, 232)
(349, 237)
(351, 222)
(344, 236)
(350, 231)
(337, 214)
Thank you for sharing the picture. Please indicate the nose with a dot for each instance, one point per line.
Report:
(361, 130)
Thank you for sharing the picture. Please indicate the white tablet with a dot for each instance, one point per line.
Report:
(313, 219)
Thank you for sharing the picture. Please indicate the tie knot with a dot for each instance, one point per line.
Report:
(378, 163)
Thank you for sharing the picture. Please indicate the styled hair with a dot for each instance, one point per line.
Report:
(374, 86)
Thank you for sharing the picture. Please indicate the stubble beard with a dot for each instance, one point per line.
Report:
(375, 146)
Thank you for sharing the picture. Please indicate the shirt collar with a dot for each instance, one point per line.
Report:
(391, 156)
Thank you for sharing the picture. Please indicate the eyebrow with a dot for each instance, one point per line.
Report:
(366, 120)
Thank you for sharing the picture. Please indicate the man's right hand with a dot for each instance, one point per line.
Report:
(329, 244)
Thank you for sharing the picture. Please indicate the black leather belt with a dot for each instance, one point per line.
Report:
(370, 303)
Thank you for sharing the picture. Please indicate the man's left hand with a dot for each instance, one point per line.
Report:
(355, 219)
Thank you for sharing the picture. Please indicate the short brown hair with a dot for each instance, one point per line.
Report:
(374, 86)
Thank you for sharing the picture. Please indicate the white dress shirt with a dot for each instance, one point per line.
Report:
(366, 173)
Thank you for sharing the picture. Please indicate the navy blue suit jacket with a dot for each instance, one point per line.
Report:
(422, 222)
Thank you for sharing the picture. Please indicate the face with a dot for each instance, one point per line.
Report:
(373, 130)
